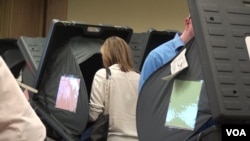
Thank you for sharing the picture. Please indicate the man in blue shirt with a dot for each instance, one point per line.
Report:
(166, 52)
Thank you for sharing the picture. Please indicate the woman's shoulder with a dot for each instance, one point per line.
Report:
(101, 72)
(136, 74)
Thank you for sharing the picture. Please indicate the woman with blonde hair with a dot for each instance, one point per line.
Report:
(117, 56)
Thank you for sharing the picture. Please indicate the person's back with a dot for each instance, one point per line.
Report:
(117, 56)
(123, 101)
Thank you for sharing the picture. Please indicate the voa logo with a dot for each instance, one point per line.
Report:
(236, 132)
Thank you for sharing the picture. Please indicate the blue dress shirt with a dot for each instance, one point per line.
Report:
(160, 56)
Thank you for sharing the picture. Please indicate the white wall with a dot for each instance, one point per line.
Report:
(137, 14)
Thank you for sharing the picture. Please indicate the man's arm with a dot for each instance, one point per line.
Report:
(151, 64)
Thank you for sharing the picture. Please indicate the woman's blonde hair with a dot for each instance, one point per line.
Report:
(116, 51)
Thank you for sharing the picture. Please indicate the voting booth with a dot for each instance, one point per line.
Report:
(63, 65)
